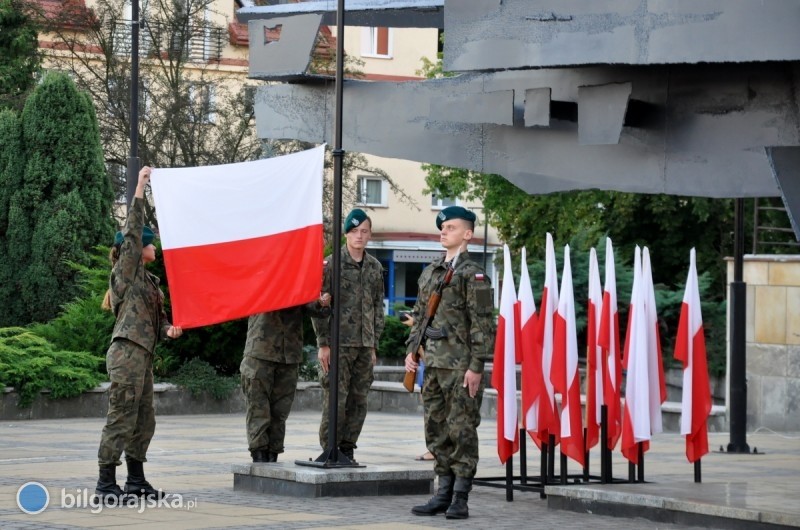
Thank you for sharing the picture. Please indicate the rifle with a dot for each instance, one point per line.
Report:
(425, 330)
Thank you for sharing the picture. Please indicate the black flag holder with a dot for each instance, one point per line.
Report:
(331, 457)
(547, 476)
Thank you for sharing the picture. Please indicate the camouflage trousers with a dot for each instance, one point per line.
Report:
(355, 379)
(451, 422)
(268, 389)
(131, 419)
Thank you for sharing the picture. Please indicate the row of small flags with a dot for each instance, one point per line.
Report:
(545, 344)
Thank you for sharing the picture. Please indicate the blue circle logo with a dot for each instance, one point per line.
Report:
(32, 498)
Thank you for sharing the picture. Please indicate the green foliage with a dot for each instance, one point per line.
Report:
(62, 207)
(393, 339)
(20, 59)
(309, 368)
(82, 324)
(197, 376)
(10, 177)
(30, 363)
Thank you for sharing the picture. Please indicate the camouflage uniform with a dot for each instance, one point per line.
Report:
(272, 356)
(360, 329)
(138, 304)
(465, 315)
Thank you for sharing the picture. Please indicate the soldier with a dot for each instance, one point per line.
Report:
(138, 305)
(452, 387)
(270, 366)
(360, 328)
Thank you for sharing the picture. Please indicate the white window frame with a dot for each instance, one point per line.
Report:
(209, 92)
(362, 191)
(369, 43)
(437, 202)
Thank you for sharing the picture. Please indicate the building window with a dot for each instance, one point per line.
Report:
(376, 42)
(202, 102)
(438, 203)
(371, 191)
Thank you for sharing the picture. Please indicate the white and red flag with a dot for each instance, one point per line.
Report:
(690, 349)
(504, 371)
(548, 413)
(644, 388)
(608, 340)
(240, 239)
(564, 374)
(532, 379)
(594, 355)
(655, 366)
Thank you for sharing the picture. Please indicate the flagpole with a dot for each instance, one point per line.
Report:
(331, 457)
(133, 157)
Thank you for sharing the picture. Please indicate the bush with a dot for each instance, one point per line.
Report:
(82, 325)
(393, 339)
(309, 368)
(197, 376)
(30, 363)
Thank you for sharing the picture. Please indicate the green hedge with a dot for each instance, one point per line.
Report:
(30, 364)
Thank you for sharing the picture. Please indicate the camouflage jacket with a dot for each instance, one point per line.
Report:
(278, 335)
(361, 317)
(136, 299)
(464, 314)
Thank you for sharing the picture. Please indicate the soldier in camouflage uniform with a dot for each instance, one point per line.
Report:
(452, 387)
(272, 356)
(361, 324)
(138, 305)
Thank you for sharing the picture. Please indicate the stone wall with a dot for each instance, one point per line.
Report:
(772, 341)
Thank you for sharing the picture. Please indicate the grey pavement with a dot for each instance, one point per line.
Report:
(192, 455)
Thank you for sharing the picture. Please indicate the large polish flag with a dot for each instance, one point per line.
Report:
(532, 380)
(240, 239)
(548, 423)
(608, 340)
(690, 349)
(594, 355)
(504, 371)
(566, 380)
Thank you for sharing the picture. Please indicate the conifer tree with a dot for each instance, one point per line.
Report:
(11, 167)
(20, 60)
(61, 209)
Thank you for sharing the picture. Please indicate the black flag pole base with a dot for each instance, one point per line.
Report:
(330, 459)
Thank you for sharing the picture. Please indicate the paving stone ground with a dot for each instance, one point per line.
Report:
(192, 456)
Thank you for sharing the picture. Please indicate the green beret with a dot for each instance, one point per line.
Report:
(147, 237)
(354, 219)
(454, 212)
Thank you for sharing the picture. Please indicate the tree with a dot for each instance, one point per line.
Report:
(61, 208)
(11, 167)
(20, 60)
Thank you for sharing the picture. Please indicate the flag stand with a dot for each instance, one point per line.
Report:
(697, 471)
(636, 472)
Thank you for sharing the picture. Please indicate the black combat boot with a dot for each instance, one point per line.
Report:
(136, 484)
(259, 455)
(107, 490)
(440, 502)
(272, 457)
(459, 509)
